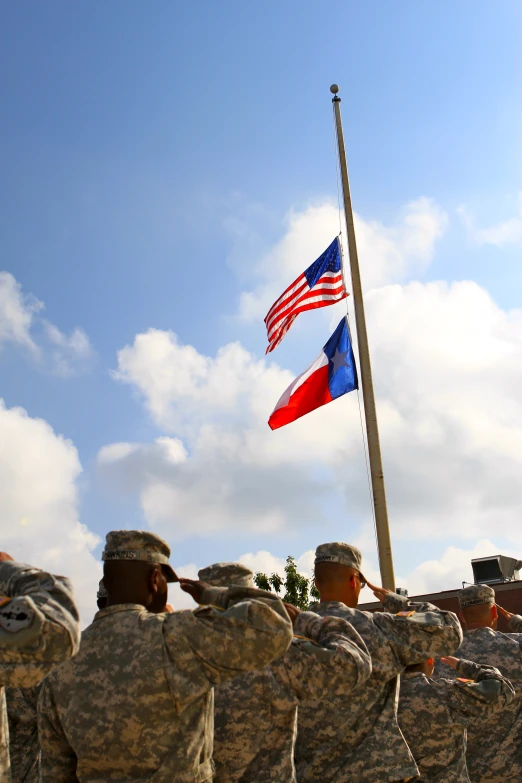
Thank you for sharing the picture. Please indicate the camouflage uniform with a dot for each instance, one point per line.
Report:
(255, 715)
(358, 739)
(136, 703)
(494, 753)
(39, 628)
(434, 715)
(24, 747)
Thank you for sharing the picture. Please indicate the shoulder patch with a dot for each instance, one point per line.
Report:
(405, 614)
(464, 681)
(15, 618)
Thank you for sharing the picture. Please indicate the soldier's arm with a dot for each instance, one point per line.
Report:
(478, 691)
(416, 632)
(515, 624)
(39, 623)
(58, 760)
(394, 603)
(327, 656)
(235, 630)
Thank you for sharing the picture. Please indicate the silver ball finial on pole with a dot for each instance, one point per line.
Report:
(334, 89)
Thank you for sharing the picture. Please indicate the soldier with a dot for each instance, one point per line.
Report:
(136, 703)
(22, 713)
(494, 746)
(358, 739)
(255, 714)
(434, 714)
(39, 628)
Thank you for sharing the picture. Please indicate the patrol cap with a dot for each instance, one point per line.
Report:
(102, 592)
(475, 595)
(225, 574)
(337, 552)
(139, 545)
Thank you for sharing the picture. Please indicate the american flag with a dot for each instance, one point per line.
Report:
(318, 286)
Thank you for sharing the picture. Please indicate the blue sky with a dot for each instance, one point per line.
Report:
(152, 153)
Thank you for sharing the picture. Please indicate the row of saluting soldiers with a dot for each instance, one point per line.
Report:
(247, 689)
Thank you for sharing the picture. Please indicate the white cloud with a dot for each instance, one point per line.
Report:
(447, 364)
(20, 323)
(177, 598)
(67, 354)
(387, 253)
(453, 568)
(16, 312)
(39, 504)
(448, 369)
(506, 232)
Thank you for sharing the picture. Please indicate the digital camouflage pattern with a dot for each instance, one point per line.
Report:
(255, 715)
(358, 739)
(139, 545)
(24, 747)
(339, 552)
(494, 753)
(136, 703)
(39, 628)
(474, 595)
(226, 574)
(434, 715)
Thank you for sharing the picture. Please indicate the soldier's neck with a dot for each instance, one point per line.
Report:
(474, 626)
(338, 595)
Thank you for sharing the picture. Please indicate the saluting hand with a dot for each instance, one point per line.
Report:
(504, 612)
(379, 592)
(293, 612)
(193, 587)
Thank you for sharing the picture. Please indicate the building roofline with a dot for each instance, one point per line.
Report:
(500, 587)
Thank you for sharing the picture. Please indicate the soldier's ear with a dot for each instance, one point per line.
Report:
(154, 579)
(494, 612)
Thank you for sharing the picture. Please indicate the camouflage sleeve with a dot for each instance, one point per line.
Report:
(39, 624)
(394, 603)
(414, 636)
(58, 760)
(327, 657)
(479, 691)
(515, 624)
(243, 630)
(224, 597)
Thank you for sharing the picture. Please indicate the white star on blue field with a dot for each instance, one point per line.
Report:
(339, 359)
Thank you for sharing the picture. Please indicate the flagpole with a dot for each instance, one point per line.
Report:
(372, 429)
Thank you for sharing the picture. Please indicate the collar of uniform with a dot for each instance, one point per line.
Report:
(119, 608)
(484, 631)
(327, 605)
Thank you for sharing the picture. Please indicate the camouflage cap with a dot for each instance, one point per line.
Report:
(102, 592)
(224, 574)
(475, 595)
(139, 545)
(337, 552)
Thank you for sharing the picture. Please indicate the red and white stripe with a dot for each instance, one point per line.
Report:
(299, 297)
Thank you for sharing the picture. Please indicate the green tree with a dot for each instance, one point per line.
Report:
(299, 590)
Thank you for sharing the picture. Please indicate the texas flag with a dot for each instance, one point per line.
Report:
(331, 375)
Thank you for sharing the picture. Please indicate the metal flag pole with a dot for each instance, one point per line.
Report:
(372, 429)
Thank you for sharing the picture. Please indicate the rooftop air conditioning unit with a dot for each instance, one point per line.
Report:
(495, 569)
